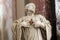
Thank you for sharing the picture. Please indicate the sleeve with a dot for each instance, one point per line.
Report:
(47, 27)
(16, 30)
(48, 31)
(41, 22)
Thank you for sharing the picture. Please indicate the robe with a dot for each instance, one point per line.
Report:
(24, 29)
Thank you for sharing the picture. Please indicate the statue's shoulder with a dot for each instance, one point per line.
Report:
(41, 16)
(17, 22)
(43, 19)
(21, 19)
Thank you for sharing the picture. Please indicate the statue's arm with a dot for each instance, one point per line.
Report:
(44, 24)
(16, 30)
(49, 31)
(47, 26)
(40, 22)
(25, 22)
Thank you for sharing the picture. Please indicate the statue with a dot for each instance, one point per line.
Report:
(29, 27)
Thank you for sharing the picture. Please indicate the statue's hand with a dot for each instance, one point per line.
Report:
(39, 24)
(24, 24)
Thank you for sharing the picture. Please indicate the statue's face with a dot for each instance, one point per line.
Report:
(29, 12)
(30, 9)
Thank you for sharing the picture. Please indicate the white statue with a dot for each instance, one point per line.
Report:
(28, 27)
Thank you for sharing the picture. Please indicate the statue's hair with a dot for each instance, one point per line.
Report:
(30, 6)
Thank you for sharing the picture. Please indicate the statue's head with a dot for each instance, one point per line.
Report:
(30, 8)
